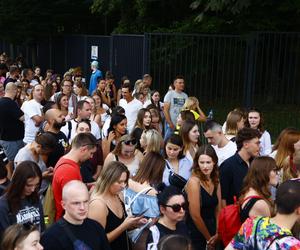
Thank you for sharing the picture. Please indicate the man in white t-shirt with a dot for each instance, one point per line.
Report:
(84, 111)
(33, 113)
(131, 105)
(224, 148)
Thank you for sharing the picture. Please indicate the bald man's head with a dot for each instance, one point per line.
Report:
(50, 114)
(11, 90)
(11, 86)
(73, 188)
(55, 118)
(75, 201)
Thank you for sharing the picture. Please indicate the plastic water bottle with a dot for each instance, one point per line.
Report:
(210, 115)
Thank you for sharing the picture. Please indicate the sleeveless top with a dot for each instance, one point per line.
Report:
(208, 204)
(244, 214)
(132, 166)
(112, 222)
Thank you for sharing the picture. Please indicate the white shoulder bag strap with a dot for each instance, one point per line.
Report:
(155, 236)
(128, 205)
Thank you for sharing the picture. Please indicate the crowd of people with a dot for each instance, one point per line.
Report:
(93, 166)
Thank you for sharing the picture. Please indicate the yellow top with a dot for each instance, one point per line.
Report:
(196, 115)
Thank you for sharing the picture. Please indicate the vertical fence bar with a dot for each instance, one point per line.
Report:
(249, 69)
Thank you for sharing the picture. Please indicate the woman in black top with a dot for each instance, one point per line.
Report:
(142, 123)
(204, 196)
(172, 206)
(107, 208)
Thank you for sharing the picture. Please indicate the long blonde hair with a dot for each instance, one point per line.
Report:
(192, 103)
(110, 175)
(154, 140)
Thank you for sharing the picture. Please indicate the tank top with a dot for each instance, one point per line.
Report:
(132, 166)
(112, 222)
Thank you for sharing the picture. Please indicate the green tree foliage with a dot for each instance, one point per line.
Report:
(26, 21)
(243, 16)
(221, 16)
(138, 16)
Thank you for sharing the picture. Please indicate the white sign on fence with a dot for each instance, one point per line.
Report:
(94, 52)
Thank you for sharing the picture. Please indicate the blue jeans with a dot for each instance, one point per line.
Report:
(168, 131)
(11, 148)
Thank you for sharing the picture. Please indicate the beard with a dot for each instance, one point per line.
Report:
(59, 125)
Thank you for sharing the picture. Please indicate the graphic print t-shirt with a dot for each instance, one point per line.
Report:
(176, 101)
(266, 233)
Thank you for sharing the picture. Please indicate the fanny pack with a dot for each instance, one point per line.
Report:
(175, 179)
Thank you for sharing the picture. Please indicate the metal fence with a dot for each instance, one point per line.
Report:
(256, 70)
(121, 54)
(222, 71)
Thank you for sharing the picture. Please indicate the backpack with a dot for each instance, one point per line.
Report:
(229, 220)
(49, 207)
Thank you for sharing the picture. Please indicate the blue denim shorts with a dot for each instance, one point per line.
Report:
(11, 148)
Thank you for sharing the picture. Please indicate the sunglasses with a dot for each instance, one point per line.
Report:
(177, 207)
(130, 142)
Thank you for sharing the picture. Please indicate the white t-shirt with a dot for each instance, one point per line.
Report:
(94, 130)
(131, 110)
(265, 143)
(31, 108)
(273, 154)
(224, 153)
(105, 127)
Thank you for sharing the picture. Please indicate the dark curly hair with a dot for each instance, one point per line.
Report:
(246, 134)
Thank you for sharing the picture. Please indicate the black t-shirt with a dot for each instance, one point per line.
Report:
(7, 80)
(59, 151)
(87, 172)
(232, 173)
(11, 128)
(90, 232)
(181, 229)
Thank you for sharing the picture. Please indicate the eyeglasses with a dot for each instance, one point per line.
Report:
(130, 142)
(177, 207)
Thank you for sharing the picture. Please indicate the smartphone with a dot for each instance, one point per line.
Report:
(141, 213)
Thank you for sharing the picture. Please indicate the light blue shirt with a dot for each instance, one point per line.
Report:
(184, 170)
(94, 80)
